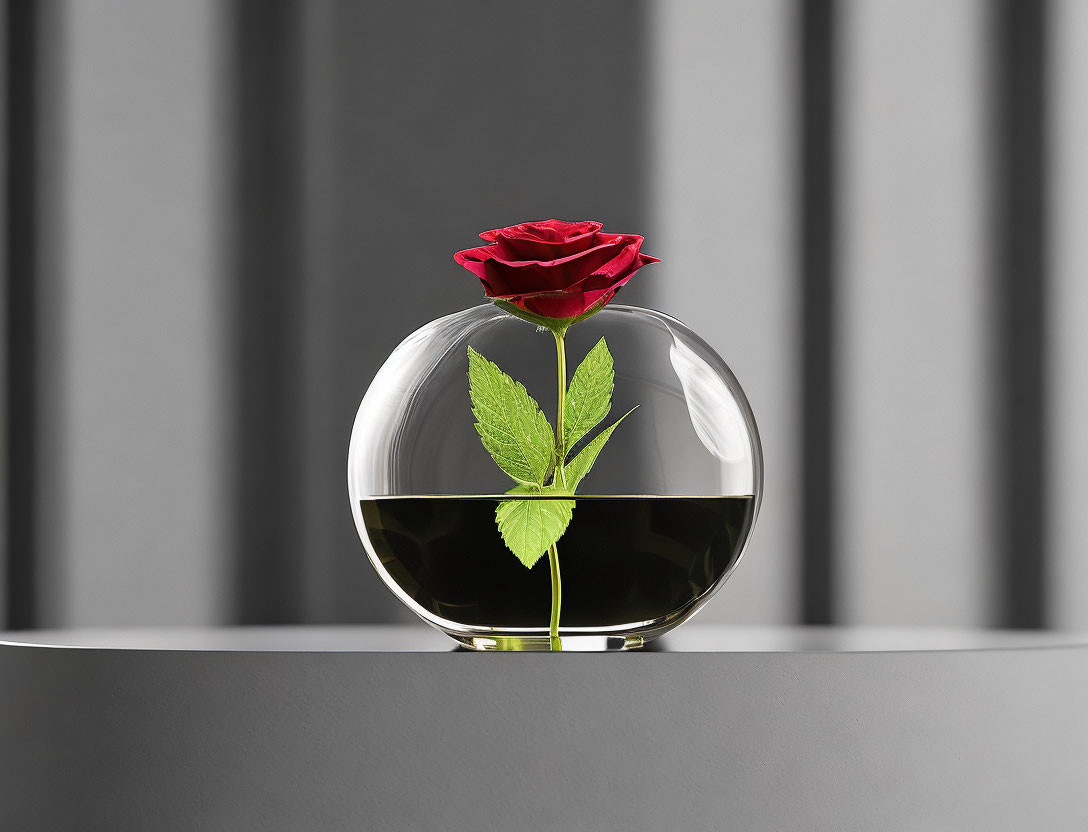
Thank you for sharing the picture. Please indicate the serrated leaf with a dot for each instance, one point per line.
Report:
(511, 424)
(589, 397)
(578, 467)
(530, 527)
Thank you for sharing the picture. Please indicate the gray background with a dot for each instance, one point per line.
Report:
(233, 211)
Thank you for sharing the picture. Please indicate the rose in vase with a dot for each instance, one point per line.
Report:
(554, 274)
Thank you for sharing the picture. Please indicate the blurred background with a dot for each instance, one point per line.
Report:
(221, 217)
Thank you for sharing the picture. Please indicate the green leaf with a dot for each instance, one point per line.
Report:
(530, 527)
(523, 488)
(580, 465)
(511, 425)
(589, 396)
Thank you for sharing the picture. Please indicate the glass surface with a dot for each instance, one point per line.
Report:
(659, 522)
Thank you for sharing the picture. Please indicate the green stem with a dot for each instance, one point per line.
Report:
(560, 477)
(557, 597)
(560, 450)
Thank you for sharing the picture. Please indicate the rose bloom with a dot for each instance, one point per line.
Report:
(555, 269)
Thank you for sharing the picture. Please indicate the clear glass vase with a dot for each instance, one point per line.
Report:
(657, 525)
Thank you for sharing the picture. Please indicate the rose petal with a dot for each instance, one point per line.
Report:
(544, 241)
(617, 271)
(507, 278)
(473, 259)
(495, 252)
(531, 265)
(535, 251)
(624, 263)
(544, 231)
(561, 305)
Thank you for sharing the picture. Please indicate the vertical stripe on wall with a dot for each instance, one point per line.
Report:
(721, 200)
(914, 483)
(264, 393)
(36, 486)
(20, 142)
(816, 270)
(139, 230)
(1066, 316)
(1020, 280)
(5, 297)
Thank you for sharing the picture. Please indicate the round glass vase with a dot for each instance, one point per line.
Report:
(656, 525)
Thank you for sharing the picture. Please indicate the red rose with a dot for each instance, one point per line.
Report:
(554, 269)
